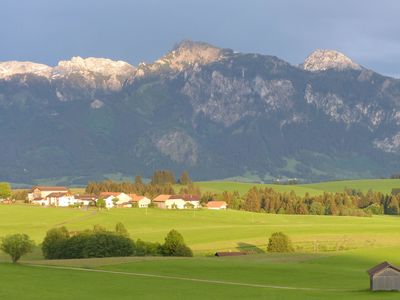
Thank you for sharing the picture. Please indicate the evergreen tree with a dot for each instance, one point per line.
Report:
(138, 179)
(185, 178)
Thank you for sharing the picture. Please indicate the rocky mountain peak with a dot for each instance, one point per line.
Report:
(11, 68)
(103, 66)
(321, 60)
(184, 55)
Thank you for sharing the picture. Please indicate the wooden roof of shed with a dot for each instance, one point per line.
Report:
(50, 188)
(381, 267)
(230, 253)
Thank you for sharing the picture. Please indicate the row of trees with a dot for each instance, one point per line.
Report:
(59, 243)
(150, 190)
(168, 177)
(349, 202)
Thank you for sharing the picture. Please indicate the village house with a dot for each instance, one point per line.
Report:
(169, 202)
(120, 199)
(216, 205)
(141, 201)
(384, 277)
(193, 200)
(39, 193)
(60, 199)
(85, 200)
(39, 201)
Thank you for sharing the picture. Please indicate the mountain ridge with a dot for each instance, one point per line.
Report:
(212, 111)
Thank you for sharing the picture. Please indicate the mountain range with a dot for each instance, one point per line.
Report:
(214, 112)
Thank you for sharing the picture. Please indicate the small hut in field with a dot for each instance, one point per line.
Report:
(384, 277)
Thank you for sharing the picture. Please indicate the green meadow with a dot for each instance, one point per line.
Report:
(378, 185)
(330, 262)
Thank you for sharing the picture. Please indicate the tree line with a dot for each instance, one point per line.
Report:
(162, 183)
(347, 203)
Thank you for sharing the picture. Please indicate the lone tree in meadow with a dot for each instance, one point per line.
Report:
(5, 190)
(17, 245)
(174, 245)
(279, 242)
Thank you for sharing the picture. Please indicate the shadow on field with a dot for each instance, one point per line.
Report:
(246, 247)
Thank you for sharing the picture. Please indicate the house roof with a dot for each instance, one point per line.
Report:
(381, 267)
(136, 198)
(38, 199)
(230, 253)
(162, 198)
(55, 195)
(50, 188)
(85, 197)
(189, 197)
(216, 203)
(108, 194)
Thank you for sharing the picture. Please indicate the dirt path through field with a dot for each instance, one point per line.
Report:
(77, 219)
(209, 281)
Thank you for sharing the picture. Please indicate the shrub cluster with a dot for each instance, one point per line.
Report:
(59, 243)
(279, 242)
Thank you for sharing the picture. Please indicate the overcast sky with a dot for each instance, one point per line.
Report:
(47, 31)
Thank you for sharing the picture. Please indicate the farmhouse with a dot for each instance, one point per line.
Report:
(169, 202)
(60, 199)
(123, 199)
(193, 200)
(85, 200)
(384, 277)
(41, 192)
(141, 201)
(40, 201)
(216, 205)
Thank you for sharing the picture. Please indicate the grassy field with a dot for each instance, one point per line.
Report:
(332, 255)
(261, 276)
(208, 231)
(379, 185)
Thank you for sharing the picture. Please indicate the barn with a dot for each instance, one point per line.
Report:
(384, 277)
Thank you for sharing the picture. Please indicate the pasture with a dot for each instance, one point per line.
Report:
(330, 262)
(261, 276)
(379, 185)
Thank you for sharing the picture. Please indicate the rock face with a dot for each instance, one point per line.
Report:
(91, 73)
(322, 60)
(11, 68)
(211, 111)
(184, 55)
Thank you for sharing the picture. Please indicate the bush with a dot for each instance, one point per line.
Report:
(121, 230)
(17, 245)
(90, 243)
(174, 245)
(279, 242)
(374, 209)
(147, 248)
(54, 243)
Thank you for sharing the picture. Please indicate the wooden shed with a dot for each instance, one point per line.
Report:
(219, 254)
(384, 277)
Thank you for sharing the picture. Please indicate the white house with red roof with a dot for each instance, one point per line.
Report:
(217, 205)
(193, 200)
(169, 202)
(39, 193)
(141, 201)
(116, 199)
